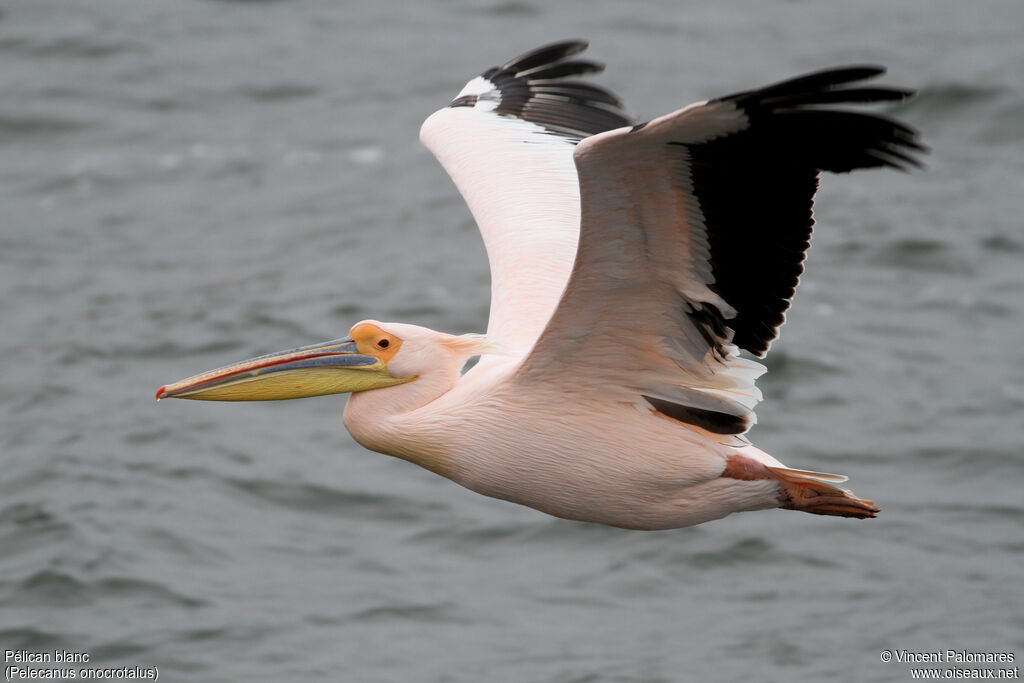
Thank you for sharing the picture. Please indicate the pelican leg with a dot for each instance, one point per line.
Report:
(821, 498)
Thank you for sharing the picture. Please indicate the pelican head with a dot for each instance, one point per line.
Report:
(369, 358)
(373, 356)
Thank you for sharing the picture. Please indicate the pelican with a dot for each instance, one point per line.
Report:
(630, 266)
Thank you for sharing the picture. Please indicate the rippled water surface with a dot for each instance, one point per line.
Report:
(188, 183)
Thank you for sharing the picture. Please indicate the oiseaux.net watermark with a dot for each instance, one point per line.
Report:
(955, 664)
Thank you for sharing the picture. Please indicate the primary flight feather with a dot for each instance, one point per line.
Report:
(630, 265)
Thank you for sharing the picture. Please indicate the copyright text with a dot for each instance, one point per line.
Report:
(958, 664)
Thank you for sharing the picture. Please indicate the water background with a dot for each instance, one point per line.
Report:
(188, 183)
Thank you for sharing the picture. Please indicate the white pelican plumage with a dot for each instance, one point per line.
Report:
(630, 264)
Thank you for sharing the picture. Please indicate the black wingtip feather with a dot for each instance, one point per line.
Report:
(545, 54)
(795, 129)
(815, 81)
(537, 86)
(575, 67)
(844, 96)
(832, 139)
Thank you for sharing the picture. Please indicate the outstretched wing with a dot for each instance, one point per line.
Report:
(507, 141)
(694, 229)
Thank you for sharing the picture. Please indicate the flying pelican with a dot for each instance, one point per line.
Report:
(630, 264)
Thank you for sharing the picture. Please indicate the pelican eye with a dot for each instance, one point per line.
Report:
(371, 339)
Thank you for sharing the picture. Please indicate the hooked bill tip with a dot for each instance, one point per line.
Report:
(160, 392)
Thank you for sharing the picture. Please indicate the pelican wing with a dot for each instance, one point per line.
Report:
(507, 141)
(693, 234)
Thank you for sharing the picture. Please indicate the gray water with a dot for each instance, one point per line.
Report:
(188, 183)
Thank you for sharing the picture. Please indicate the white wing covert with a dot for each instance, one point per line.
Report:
(507, 141)
(694, 230)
